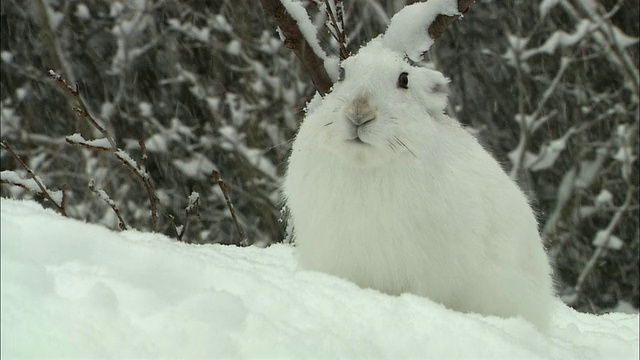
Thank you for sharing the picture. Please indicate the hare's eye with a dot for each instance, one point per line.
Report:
(341, 74)
(403, 80)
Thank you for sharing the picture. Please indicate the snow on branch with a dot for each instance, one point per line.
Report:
(300, 36)
(106, 198)
(96, 144)
(34, 184)
(192, 209)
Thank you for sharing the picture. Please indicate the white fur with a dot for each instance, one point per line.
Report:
(418, 206)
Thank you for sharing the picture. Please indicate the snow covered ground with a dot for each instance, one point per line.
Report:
(71, 289)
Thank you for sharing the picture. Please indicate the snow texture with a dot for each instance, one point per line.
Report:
(71, 289)
(408, 30)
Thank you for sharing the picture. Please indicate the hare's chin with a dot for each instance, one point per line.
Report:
(356, 152)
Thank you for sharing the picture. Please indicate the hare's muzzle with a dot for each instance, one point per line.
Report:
(360, 110)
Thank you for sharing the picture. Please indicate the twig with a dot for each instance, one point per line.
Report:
(105, 197)
(192, 208)
(43, 189)
(77, 139)
(600, 250)
(143, 175)
(223, 188)
(81, 110)
(337, 23)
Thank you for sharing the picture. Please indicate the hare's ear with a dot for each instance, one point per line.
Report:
(440, 85)
(435, 89)
(408, 29)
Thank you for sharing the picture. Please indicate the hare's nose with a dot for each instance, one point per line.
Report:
(360, 110)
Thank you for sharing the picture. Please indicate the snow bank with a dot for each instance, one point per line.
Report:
(71, 289)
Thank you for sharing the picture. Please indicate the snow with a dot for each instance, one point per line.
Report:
(408, 29)
(71, 289)
(145, 108)
(603, 238)
(15, 178)
(196, 167)
(234, 47)
(102, 143)
(6, 56)
(232, 140)
(82, 12)
(604, 198)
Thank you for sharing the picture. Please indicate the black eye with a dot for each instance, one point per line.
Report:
(341, 74)
(403, 80)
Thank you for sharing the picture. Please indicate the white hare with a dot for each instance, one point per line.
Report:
(387, 191)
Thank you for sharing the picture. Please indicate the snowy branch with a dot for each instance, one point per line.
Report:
(191, 209)
(301, 46)
(108, 144)
(106, 198)
(81, 110)
(34, 184)
(606, 235)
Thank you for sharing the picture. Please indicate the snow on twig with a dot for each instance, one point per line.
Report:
(106, 198)
(96, 144)
(192, 208)
(35, 184)
(143, 175)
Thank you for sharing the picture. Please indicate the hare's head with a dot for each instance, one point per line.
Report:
(382, 107)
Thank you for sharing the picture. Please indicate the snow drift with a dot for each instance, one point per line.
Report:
(71, 289)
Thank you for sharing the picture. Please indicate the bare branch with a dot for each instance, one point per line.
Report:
(223, 188)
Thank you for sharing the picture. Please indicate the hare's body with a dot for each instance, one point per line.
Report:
(388, 192)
